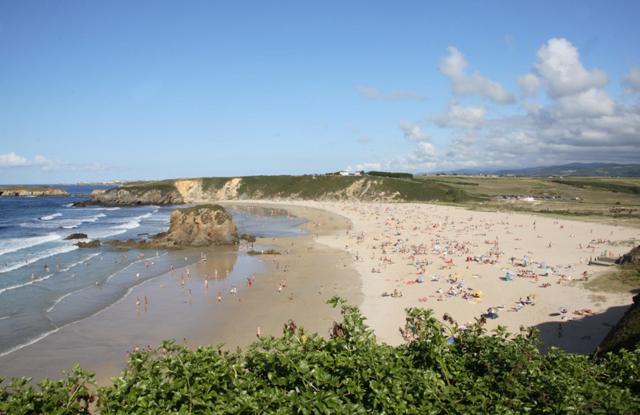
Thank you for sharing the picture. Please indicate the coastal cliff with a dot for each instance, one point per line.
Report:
(308, 187)
(27, 191)
(136, 195)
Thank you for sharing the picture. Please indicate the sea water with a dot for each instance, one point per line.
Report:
(46, 282)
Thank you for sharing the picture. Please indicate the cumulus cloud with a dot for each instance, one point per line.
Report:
(592, 102)
(459, 116)
(529, 84)
(631, 81)
(577, 122)
(395, 95)
(454, 65)
(14, 160)
(413, 132)
(559, 67)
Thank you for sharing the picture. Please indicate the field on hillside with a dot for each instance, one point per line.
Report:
(595, 197)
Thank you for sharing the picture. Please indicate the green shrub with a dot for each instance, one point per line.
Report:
(440, 369)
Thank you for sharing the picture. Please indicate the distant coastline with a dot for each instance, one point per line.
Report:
(31, 191)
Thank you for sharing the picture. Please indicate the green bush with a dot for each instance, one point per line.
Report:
(440, 369)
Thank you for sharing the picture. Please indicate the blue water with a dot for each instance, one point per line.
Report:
(47, 282)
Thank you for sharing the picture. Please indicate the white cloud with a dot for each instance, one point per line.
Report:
(459, 116)
(592, 102)
(395, 95)
(413, 132)
(13, 160)
(577, 122)
(559, 67)
(454, 65)
(529, 84)
(631, 81)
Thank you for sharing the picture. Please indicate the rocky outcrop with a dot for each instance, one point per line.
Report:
(135, 195)
(201, 225)
(31, 191)
(76, 236)
(625, 334)
(631, 257)
(91, 244)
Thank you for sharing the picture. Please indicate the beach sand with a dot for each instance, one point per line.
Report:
(359, 251)
(392, 244)
(311, 272)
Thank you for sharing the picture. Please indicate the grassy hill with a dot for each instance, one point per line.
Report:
(313, 187)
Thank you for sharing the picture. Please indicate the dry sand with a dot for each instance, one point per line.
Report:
(393, 244)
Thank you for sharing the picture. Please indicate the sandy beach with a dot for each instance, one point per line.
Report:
(381, 257)
(463, 256)
(180, 305)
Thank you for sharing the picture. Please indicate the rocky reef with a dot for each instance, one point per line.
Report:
(27, 191)
(201, 225)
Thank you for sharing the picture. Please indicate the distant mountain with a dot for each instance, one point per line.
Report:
(572, 169)
(577, 169)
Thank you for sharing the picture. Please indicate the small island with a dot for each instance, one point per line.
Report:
(201, 225)
(31, 191)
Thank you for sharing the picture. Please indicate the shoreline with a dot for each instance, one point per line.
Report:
(358, 251)
(183, 307)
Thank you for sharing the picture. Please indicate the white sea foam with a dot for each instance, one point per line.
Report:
(50, 332)
(52, 216)
(74, 223)
(41, 255)
(30, 342)
(24, 284)
(82, 261)
(55, 303)
(17, 244)
(106, 208)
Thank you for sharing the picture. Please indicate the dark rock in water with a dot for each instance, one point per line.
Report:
(76, 236)
(120, 249)
(202, 225)
(248, 238)
(631, 257)
(90, 244)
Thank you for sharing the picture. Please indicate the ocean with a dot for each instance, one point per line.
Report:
(46, 282)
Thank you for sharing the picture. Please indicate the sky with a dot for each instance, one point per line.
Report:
(123, 90)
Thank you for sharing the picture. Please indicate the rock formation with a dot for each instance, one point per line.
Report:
(134, 195)
(76, 236)
(201, 225)
(631, 257)
(31, 191)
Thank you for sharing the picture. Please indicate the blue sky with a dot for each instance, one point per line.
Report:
(153, 89)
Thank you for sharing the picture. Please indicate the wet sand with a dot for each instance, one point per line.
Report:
(180, 306)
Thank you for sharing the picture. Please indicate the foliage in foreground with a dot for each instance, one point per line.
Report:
(440, 369)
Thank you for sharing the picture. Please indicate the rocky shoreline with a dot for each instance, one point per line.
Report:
(26, 191)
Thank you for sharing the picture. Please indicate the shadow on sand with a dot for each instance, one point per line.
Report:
(581, 335)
